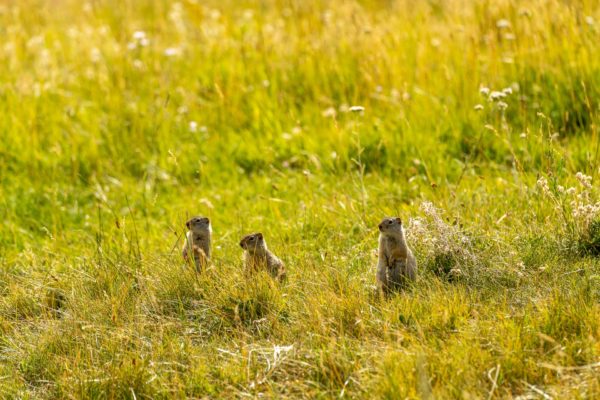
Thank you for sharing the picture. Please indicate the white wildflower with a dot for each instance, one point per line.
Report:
(104, 30)
(484, 90)
(503, 24)
(329, 112)
(495, 95)
(139, 39)
(172, 51)
(193, 126)
(95, 55)
(358, 109)
(138, 64)
(585, 180)
(502, 105)
(478, 107)
(543, 185)
(139, 35)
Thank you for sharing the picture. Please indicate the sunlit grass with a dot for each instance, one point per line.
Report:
(308, 121)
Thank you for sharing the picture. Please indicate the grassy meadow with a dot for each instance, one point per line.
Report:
(120, 119)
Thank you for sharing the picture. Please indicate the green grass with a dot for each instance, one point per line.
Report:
(107, 146)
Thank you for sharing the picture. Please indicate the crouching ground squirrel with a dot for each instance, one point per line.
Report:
(197, 241)
(397, 264)
(257, 257)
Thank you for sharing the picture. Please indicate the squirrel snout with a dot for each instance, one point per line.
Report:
(380, 226)
(242, 245)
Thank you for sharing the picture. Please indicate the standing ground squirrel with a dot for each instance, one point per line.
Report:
(397, 264)
(197, 241)
(257, 257)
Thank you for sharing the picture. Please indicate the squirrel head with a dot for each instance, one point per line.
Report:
(198, 225)
(253, 242)
(391, 226)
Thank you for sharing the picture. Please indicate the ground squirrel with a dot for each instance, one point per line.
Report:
(397, 264)
(257, 257)
(197, 241)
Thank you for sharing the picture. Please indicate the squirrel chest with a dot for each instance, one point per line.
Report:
(393, 250)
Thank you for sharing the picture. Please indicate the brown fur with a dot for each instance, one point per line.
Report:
(397, 265)
(258, 257)
(198, 242)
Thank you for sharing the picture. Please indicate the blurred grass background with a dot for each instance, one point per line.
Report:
(120, 119)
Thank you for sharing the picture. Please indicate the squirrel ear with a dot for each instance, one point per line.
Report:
(398, 220)
(187, 224)
(259, 235)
